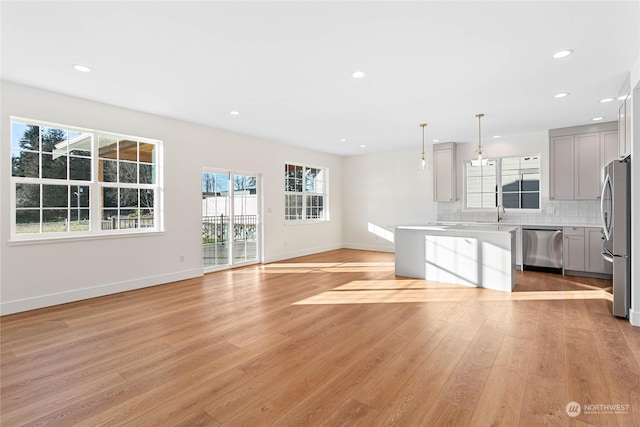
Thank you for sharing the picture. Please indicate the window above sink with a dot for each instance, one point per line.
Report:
(512, 182)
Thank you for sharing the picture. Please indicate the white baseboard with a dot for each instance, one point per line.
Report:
(634, 317)
(26, 304)
(294, 254)
(41, 301)
(365, 247)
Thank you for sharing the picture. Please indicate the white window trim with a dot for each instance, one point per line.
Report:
(499, 177)
(94, 185)
(304, 193)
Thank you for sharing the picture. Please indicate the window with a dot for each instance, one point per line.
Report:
(127, 177)
(77, 181)
(481, 185)
(305, 193)
(513, 182)
(521, 182)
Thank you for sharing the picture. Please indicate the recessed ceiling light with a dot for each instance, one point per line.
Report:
(597, 119)
(436, 140)
(496, 136)
(562, 53)
(606, 100)
(362, 145)
(234, 112)
(561, 95)
(343, 139)
(357, 74)
(81, 68)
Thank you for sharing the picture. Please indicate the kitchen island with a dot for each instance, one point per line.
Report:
(482, 256)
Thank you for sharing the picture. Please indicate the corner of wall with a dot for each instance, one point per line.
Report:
(634, 317)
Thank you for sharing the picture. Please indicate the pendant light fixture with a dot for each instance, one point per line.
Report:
(480, 156)
(422, 159)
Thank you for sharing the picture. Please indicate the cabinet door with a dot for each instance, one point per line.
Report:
(587, 152)
(622, 134)
(561, 179)
(519, 246)
(624, 128)
(443, 190)
(609, 148)
(573, 249)
(627, 127)
(593, 252)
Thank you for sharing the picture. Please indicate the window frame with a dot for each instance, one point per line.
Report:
(499, 184)
(305, 195)
(94, 184)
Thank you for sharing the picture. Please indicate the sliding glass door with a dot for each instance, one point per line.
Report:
(230, 213)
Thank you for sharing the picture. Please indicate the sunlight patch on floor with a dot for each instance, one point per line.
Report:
(329, 267)
(409, 291)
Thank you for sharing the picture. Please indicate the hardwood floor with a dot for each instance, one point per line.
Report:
(330, 339)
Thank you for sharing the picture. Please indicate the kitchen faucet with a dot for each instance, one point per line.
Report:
(500, 209)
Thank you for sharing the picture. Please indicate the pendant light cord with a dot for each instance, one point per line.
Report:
(479, 116)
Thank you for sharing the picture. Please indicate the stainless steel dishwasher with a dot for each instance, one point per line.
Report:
(542, 248)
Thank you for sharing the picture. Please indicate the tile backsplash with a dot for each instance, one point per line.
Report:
(553, 212)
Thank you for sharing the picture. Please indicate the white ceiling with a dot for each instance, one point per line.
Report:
(286, 66)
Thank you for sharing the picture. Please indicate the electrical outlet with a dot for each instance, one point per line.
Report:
(181, 259)
(551, 210)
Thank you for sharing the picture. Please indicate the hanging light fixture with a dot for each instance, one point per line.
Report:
(422, 159)
(480, 156)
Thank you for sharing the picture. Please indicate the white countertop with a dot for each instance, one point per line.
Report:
(514, 224)
(475, 227)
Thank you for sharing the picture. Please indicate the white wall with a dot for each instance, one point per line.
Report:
(37, 275)
(381, 191)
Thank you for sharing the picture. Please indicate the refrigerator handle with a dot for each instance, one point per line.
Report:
(605, 229)
(607, 256)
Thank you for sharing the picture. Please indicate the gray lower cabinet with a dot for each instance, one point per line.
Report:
(582, 250)
(573, 249)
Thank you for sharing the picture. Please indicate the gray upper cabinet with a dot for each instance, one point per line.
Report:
(577, 156)
(561, 170)
(624, 120)
(624, 126)
(444, 172)
(587, 164)
(608, 150)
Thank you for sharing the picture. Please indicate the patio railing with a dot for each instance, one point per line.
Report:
(216, 229)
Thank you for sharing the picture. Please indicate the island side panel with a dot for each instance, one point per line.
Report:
(409, 250)
(450, 258)
(498, 262)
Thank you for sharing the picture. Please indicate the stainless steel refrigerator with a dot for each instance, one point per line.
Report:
(616, 226)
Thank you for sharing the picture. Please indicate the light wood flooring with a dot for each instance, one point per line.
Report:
(331, 339)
